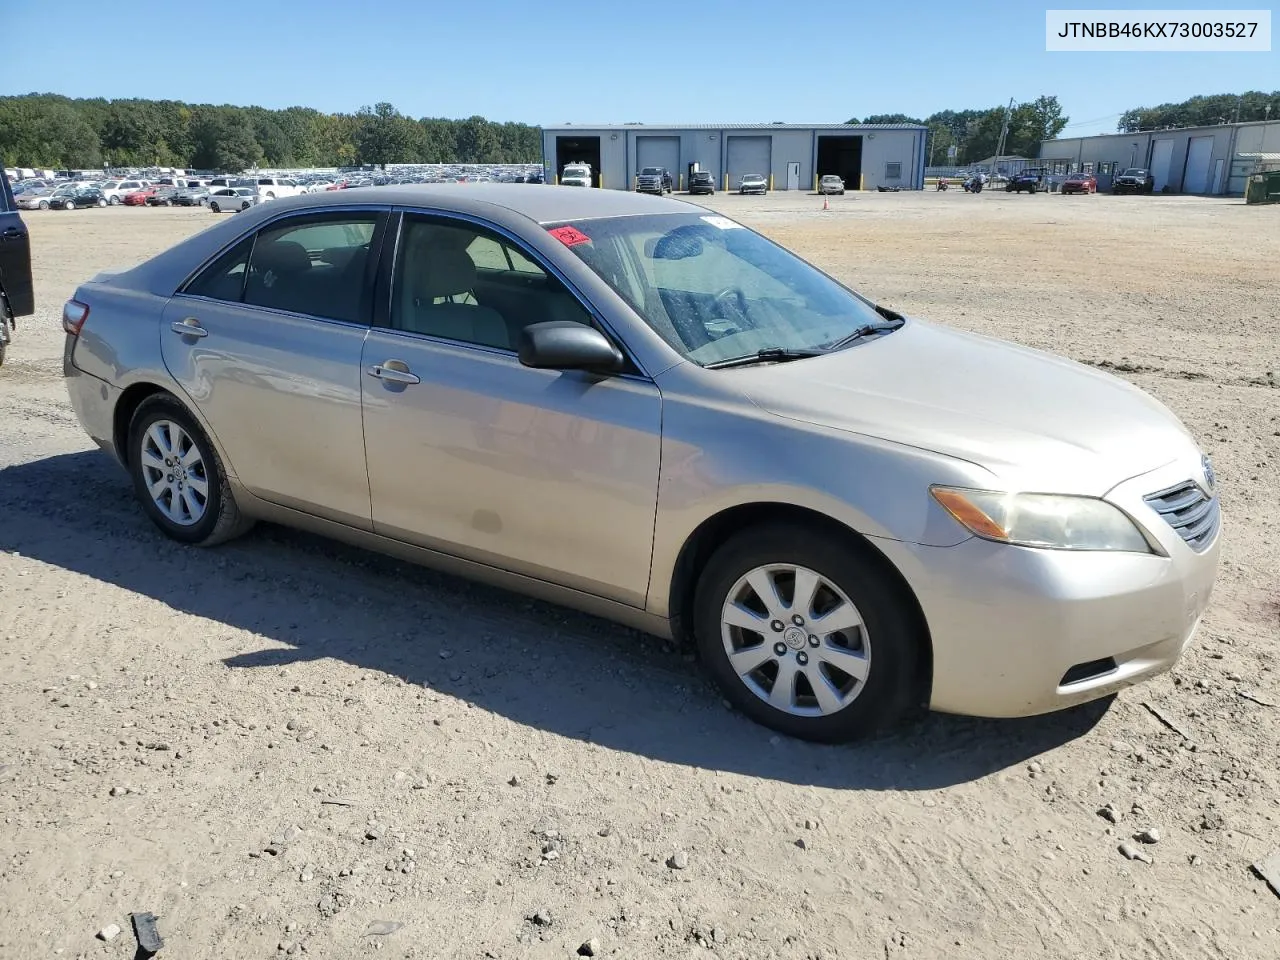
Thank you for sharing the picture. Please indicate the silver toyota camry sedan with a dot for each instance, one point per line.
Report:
(637, 408)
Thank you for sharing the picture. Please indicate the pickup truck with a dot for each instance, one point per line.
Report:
(653, 180)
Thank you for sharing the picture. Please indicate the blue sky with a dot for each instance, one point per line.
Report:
(551, 61)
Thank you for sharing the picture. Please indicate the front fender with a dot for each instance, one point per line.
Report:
(718, 457)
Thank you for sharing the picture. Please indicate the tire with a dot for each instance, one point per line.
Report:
(213, 205)
(219, 519)
(244, 207)
(102, 202)
(4, 348)
(884, 645)
(69, 205)
(44, 204)
(1032, 188)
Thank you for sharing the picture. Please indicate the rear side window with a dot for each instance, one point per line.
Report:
(316, 266)
(224, 278)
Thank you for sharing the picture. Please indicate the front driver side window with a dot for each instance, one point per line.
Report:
(458, 281)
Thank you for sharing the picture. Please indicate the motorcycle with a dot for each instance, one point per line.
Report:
(942, 183)
(974, 184)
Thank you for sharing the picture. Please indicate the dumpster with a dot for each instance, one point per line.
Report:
(1263, 188)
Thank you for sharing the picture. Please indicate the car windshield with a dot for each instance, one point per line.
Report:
(652, 171)
(715, 290)
(1135, 172)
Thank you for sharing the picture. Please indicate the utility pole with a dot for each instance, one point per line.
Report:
(1004, 132)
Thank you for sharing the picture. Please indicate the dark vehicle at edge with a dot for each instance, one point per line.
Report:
(17, 292)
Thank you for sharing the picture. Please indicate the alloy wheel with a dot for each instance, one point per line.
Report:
(174, 471)
(795, 640)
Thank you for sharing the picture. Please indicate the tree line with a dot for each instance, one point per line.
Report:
(1203, 111)
(976, 133)
(48, 130)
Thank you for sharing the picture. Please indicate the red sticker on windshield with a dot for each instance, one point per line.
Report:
(569, 236)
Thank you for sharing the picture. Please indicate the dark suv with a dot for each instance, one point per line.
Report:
(1031, 181)
(1134, 180)
(702, 181)
(17, 296)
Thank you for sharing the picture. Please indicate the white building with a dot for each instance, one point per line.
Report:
(1206, 160)
(792, 156)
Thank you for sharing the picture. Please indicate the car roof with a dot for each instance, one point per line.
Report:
(541, 204)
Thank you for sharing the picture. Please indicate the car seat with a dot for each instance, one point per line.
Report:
(434, 277)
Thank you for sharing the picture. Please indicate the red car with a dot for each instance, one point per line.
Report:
(1080, 183)
(139, 197)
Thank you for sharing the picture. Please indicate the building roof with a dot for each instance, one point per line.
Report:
(734, 126)
(1167, 130)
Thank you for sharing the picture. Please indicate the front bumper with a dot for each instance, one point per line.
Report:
(1009, 624)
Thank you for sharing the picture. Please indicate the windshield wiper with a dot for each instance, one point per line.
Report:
(767, 355)
(866, 330)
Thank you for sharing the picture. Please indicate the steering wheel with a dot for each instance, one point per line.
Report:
(730, 304)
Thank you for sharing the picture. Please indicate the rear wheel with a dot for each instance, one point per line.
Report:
(178, 477)
(805, 634)
(115, 201)
(44, 204)
(102, 202)
(213, 205)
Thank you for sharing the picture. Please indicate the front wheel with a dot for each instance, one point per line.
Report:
(44, 205)
(69, 205)
(178, 477)
(806, 634)
(102, 203)
(115, 201)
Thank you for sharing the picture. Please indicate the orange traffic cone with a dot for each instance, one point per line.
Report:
(824, 202)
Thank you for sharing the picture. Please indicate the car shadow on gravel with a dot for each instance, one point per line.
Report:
(532, 662)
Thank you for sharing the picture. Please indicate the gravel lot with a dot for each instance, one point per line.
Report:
(275, 744)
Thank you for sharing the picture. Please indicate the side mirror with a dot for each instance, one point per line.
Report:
(567, 345)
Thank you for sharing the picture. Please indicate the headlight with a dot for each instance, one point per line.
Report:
(1058, 522)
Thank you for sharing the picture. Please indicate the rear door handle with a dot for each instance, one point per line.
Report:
(189, 328)
(394, 374)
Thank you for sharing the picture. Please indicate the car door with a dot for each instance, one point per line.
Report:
(545, 473)
(15, 256)
(266, 341)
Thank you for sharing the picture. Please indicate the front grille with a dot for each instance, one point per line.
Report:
(1192, 512)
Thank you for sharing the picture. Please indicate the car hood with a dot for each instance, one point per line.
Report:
(1035, 420)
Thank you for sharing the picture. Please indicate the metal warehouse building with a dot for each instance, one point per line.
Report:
(792, 156)
(1208, 160)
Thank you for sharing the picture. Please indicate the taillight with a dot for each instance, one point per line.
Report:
(74, 314)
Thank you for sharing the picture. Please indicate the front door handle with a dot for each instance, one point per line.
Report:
(394, 371)
(189, 327)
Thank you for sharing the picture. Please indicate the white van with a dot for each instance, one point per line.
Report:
(576, 175)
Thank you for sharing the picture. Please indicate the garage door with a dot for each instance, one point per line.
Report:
(658, 152)
(1195, 179)
(1161, 157)
(748, 155)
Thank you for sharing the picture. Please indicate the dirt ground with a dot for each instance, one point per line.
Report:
(274, 744)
